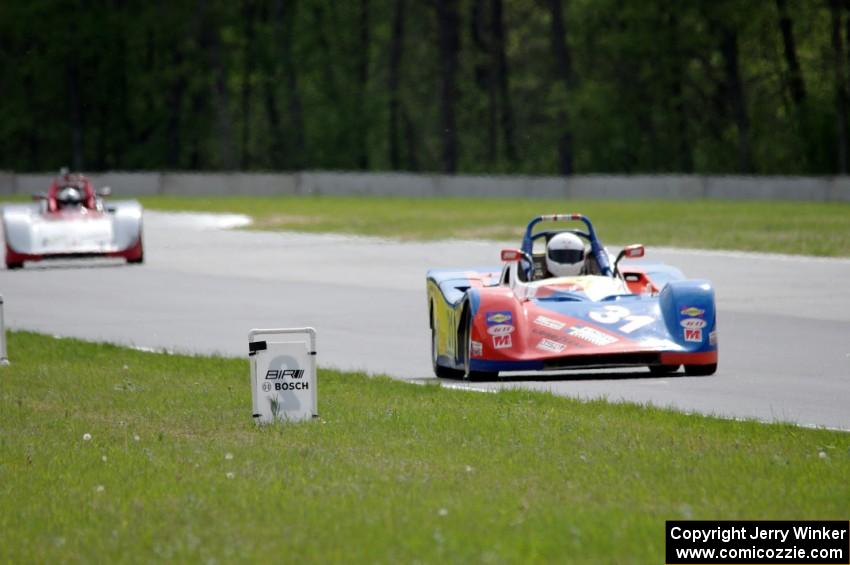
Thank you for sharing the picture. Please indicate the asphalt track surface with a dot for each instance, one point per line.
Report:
(784, 322)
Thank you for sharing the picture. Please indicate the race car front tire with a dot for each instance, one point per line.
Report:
(13, 260)
(700, 370)
(480, 376)
(473, 376)
(139, 256)
(439, 370)
(663, 369)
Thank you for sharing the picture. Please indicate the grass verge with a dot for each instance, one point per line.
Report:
(176, 470)
(786, 227)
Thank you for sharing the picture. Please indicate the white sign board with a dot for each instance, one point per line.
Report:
(283, 374)
(4, 360)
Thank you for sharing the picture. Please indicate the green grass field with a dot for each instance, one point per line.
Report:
(175, 469)
(783, 227)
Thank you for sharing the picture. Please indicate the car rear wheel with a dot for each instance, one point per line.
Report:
(700, 370)
(13, 265)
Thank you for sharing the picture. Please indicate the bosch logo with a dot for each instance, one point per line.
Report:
(292, 386)
(267, 387)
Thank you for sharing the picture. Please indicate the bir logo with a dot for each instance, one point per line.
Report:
(275, 374)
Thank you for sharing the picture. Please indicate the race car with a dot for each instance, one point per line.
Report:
(561, 301)
(72, 220)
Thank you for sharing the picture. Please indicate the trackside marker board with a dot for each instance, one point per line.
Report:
(4, 360)
(283, 374)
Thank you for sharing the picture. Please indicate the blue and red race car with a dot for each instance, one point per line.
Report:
(522, 318)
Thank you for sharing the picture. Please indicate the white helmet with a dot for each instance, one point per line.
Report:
(69, 196)
(565, 255)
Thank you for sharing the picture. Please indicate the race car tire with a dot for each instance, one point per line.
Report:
(480, 376)
(700, 370)
(12, 259)
(439, 370)
(663, 369)
(135, 255)
(473, 376)
(138, 259)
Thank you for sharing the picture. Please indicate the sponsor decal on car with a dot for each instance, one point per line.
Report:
(502, 341)
(501, 329)
(550, 345)
(694, 335)
(592, 335)
(497, 318)
(549, 323)
(475, 348)
(617, 314)
(693, 323)
(712, 337)
(548, 335)
(692, 311)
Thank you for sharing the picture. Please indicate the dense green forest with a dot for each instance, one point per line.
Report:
(468, 86)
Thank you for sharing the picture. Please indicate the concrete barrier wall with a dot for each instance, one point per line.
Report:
(30, 184)
(123, 184)
(372, 184)
(136, 184)
(620, 187)
(220, 184)
(640, 187)
(7, 183)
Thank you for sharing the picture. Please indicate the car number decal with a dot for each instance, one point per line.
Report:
(616, 314)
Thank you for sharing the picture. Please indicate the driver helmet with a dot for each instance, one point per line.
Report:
(565, 255)
(69, 196)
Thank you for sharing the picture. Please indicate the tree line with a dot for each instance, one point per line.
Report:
(457, 86)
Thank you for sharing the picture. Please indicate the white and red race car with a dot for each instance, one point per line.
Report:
(72, 220)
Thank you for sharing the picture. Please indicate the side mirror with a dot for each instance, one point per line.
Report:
(38, 196)
(635, 251)
(104, 192)
(511, 255)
